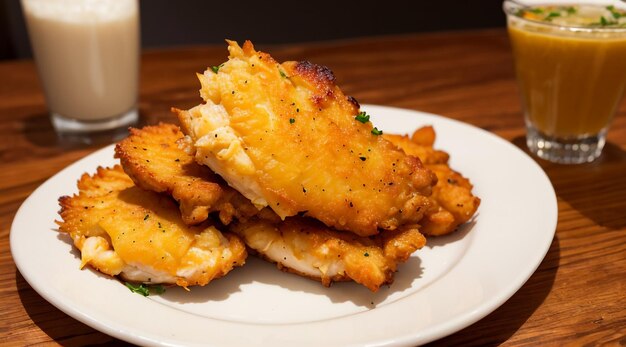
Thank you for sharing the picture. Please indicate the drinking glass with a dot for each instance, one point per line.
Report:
(571, 78)
(87, 55)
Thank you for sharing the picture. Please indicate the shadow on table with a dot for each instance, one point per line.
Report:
(38, 130)
(502, 323)
(593, 189)
(586, 188)
(60, 327)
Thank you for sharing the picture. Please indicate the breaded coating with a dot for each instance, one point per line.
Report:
(285, 136)
(452, 201)
(153, 158)
(306, 247)
(124, 230)
(427, 154)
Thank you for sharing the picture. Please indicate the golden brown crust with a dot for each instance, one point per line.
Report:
(137, 234)
(454, 194)
(79, 214)
(427, 154)
(307, 152)
(152, 157)
(308, 248)
(452, 201)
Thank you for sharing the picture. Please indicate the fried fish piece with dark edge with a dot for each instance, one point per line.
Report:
(452, 200)
(285, 136)
(155, 160)
(123, 230)
(311, 249)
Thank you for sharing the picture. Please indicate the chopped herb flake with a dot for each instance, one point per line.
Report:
(217, 68)
(366, 254)
(362, 158)
(362, 117)
(144, 290)
(140, 289)
(377, 132)
(292, 120)
(591, 16)
(552, 15)
(603, 21)
(146, 217)
(615, 13)
(282, 74)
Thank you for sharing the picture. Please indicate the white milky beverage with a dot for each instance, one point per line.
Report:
(87, 53)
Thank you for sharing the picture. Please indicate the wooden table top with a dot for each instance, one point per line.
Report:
(578, 293)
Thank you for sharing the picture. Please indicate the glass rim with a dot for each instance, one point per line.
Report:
(510, 8)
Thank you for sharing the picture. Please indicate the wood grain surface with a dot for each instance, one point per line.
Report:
(578, 294)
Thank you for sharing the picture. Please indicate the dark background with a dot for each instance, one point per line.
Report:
(189, 22)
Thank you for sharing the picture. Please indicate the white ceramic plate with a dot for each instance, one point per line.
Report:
(450, 284)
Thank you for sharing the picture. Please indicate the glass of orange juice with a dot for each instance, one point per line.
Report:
(570, 60)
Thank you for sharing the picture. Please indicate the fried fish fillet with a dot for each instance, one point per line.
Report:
(155, 161)
(124, 230)
(306, 247)
(452, 200)
(285, 136)
(310, 248)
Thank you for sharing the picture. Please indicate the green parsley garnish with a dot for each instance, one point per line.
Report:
(362, 117)
(614, 12)
(366, 254)
(282, 74)
(292, 120)
(140, 289)
(552, 15)
(146, 217)
(144, 290)
(613, 16)
(362, 158)
(217, 68)
(603, 21)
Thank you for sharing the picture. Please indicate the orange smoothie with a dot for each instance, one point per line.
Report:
(571, 80)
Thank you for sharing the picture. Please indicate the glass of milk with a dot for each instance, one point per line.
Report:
(87, 54)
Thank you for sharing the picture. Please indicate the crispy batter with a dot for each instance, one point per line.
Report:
(308, 248)
(127, 231)
(154, 160)
(427, 154)
(285, 136)
(454, 194)
(452, 201)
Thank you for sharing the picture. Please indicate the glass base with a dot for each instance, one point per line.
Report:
(69, 125)
(578, 150)
(75, 132)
